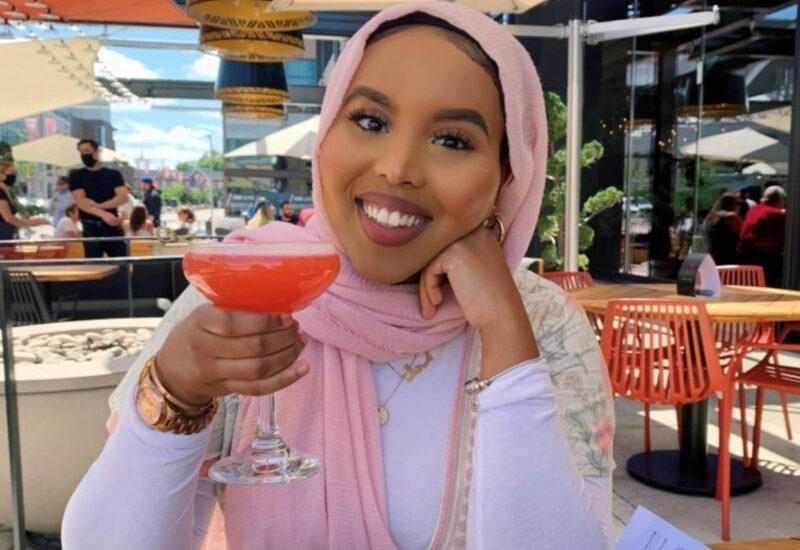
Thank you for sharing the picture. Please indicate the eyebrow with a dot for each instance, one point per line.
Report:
(466, 115)
(371, 94)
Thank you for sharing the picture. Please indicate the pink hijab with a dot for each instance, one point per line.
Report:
(332, 412)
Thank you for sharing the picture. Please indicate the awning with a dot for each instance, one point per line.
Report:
(169, 13)
(58, 150)
(745, 145)
(142, 12)
(293, 141)
(47, 75)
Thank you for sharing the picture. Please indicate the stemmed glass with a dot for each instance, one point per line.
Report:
(264, 277)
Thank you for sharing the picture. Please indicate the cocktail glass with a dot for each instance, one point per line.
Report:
(263, 277)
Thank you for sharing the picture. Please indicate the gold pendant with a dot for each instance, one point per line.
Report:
(383, 415)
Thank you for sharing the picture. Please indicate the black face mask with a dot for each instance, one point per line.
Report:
(11, 179)
(88, 160)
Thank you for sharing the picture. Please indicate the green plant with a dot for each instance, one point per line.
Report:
(551, 223)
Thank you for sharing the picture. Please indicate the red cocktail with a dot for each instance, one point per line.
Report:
(276, 278)
(268, 278)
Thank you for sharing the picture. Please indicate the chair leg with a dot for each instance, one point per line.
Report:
(724, 463)
(743, 424)
(647, 427)
(785, 407)
(757, 427)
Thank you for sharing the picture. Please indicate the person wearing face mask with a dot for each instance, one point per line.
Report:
(10, 222)
(99, 191)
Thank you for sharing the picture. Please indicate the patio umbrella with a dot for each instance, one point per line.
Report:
(47, 75)
(760, 168)
(58, 150)
(293, 141)
(744, 145)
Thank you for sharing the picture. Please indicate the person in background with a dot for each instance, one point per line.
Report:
(262, 216)
(287, 213)
(10, 222)
(722, 227)
(152, 200)
(763, 232)
(127, 207)
(99, 192)
(186, 218)
(745, 202)
(138, 224)
(67, 227)
(61, 200)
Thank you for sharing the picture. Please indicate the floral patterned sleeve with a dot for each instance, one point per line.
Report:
(578, 371)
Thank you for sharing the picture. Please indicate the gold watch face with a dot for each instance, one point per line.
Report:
(150, 405)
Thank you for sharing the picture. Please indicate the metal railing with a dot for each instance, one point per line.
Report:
(6, 324)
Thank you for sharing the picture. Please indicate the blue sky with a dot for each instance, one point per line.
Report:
(165, 131)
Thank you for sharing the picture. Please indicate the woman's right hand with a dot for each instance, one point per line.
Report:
(215, 352)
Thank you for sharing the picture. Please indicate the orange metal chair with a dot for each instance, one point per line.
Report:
(663, 352)
(761, 336)
(770, 376)
(573, 280)
(570, 280)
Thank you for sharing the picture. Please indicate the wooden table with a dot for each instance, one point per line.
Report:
(769, 544)
(737, 303)
(692, 470)
(70, 273)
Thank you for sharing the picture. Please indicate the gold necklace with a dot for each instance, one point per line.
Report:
(410, 371)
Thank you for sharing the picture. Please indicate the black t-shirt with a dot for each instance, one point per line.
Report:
(98, 185)
(7, 231)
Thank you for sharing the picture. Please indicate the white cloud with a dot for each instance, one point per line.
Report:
(173, 145)
(122, 66)
(204, 68)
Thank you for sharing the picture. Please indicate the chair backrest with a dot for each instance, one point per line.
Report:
(742, 275)
(570, 280)
(141, 248)
(661, 351)
(730, 335)
(27, 304)
(75, 250)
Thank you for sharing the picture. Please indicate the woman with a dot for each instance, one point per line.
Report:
(722, 227)
(139, 224)
(410, 162)
(10, 222)
(262, 216)
(186, 220)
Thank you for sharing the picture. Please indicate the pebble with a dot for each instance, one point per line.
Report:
(89, 346)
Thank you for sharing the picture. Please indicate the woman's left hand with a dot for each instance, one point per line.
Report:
(476, 271)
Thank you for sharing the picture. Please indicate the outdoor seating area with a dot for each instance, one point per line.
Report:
(489, 262)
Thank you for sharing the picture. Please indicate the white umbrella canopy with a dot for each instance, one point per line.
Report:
(741, 145)
(293, 141)
(47, 75)
(58, 150)
(506, 6)
(760, 168)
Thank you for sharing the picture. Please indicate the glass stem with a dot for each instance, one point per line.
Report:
(267, 433)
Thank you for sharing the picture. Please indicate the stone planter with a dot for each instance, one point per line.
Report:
(63, 407)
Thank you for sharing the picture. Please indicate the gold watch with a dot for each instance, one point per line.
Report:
(162, 411)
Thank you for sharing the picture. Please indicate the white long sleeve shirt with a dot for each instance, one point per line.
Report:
(144, 492)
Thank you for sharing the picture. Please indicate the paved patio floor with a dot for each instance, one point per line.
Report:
(771, 511)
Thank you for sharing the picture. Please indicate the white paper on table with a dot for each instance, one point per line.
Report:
(647, 531)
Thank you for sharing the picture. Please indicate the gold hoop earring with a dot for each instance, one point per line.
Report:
(494, 224)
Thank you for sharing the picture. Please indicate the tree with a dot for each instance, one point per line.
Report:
(551, 224)
(214, 162)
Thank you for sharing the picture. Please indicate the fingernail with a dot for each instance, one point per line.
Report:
(303, 337)
(286, 320)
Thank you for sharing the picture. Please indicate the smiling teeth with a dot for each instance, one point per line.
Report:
(391, 218)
